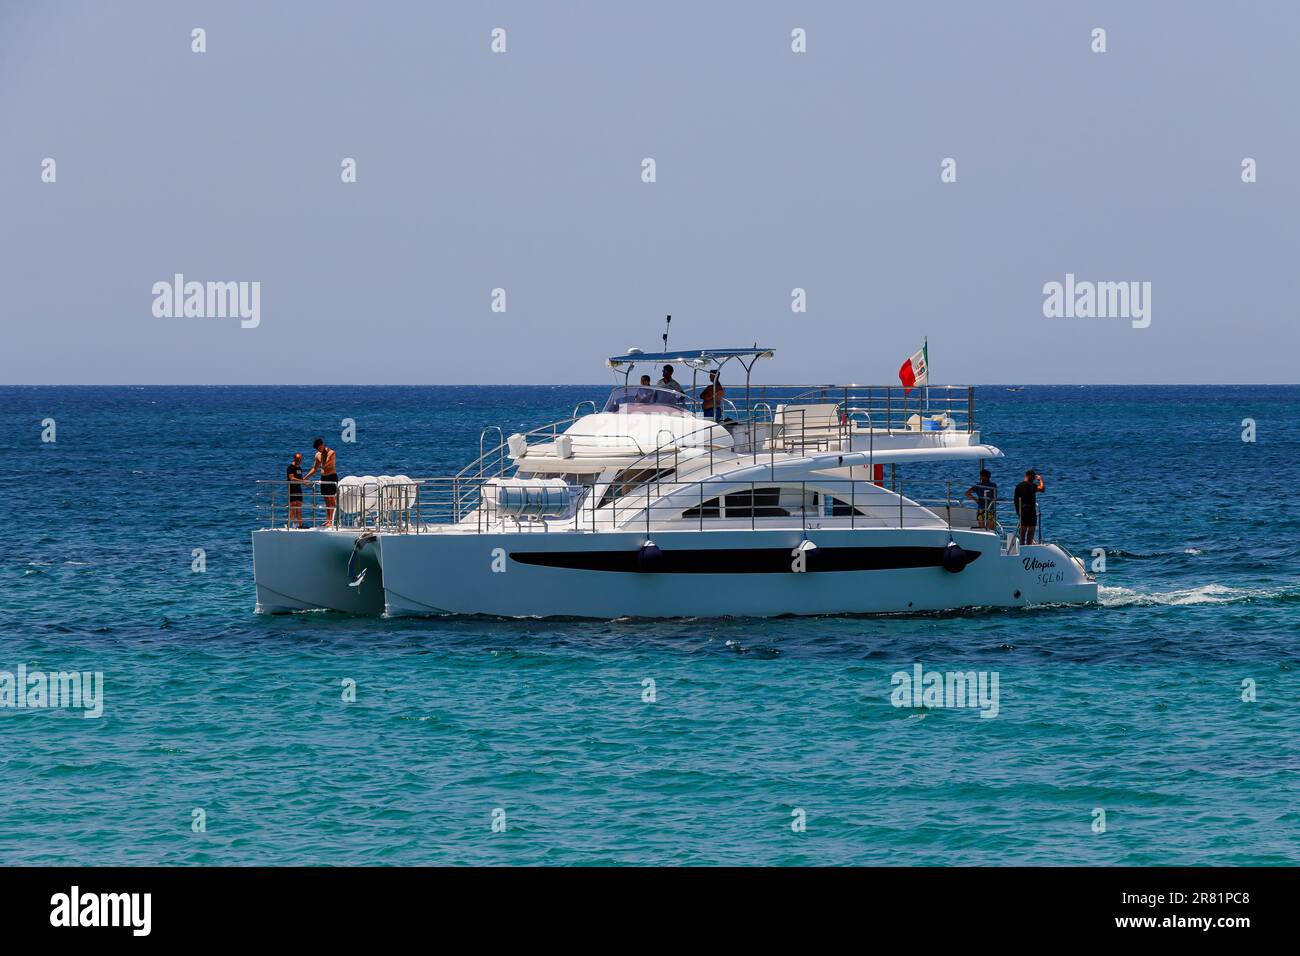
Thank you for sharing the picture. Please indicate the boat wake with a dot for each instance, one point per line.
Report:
(1151, 555)
(1205, 594)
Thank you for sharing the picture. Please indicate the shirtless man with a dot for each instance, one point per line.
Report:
(711, 398)
(329, 476)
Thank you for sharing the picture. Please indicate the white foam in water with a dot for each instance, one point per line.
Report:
(1205, 594)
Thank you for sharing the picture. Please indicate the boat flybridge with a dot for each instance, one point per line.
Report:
(788, 501)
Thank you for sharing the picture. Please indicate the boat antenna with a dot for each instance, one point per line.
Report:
(668, 321)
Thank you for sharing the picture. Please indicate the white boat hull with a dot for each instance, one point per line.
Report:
(699, 574)
(308, 570)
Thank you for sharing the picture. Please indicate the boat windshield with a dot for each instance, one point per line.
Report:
(646, 399)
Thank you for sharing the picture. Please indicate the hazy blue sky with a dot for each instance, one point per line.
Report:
(523, 171)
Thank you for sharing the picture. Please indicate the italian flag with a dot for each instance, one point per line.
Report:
(916, 370)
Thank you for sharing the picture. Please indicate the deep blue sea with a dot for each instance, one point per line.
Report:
(1133, 709)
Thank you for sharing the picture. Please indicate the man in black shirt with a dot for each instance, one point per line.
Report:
(1027, 493)
(294, 476)
(985, 495)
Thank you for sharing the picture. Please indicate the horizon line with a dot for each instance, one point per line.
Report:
(599, 385)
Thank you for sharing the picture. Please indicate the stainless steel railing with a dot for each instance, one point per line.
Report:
(860, 409)
(657, 501)
(890, 406)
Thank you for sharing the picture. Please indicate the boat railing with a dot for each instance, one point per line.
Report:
(793, 416)
(700, 440)
(1009, 524)
(394, 506)
(494, 461)
(792, 430)
(893, 408)
(654, 501)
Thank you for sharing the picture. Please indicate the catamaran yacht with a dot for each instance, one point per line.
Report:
(789, 500)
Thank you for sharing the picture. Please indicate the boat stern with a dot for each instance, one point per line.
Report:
(317, 569)
(1049, 574)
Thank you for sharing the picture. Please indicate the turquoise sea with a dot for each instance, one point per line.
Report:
(1133, 709)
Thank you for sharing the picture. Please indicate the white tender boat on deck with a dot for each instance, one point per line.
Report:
(793, 504)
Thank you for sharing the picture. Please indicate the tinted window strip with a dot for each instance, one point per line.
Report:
(738, 560)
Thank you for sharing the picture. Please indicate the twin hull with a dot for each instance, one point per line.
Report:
(698, 574)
